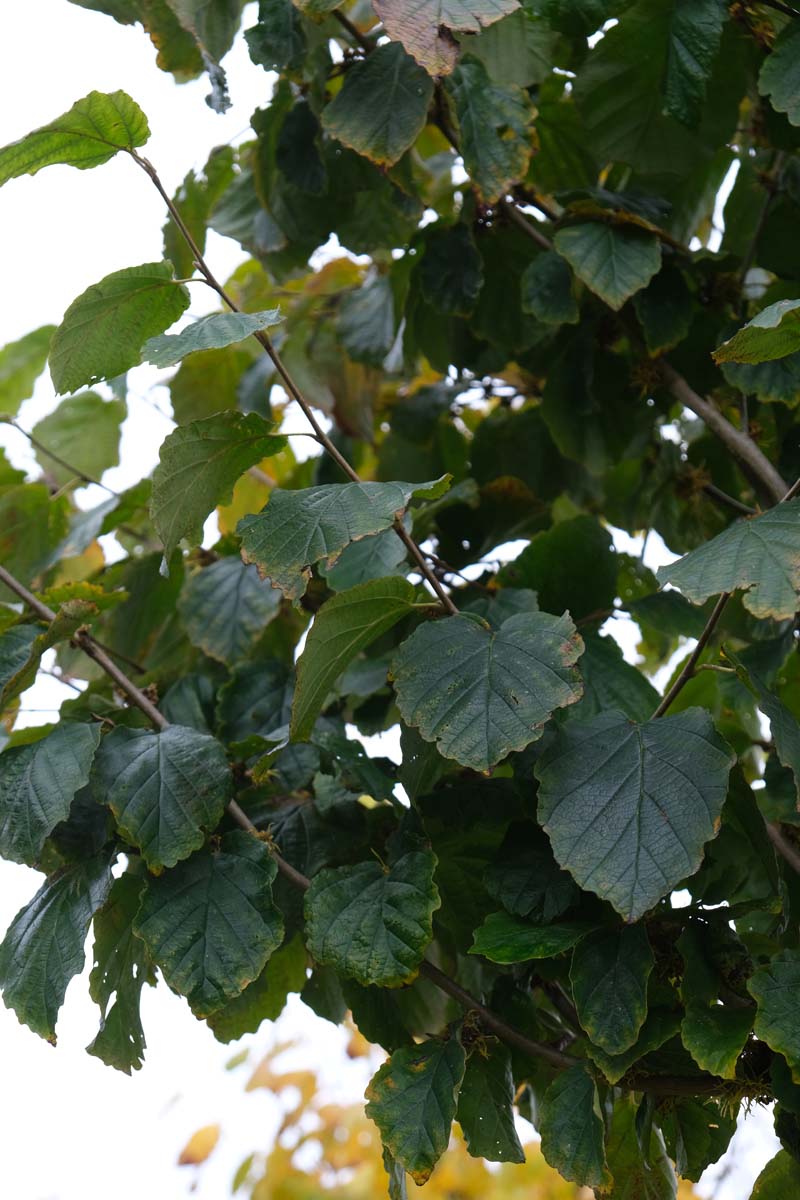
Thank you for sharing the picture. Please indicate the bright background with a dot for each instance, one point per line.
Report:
(74, 1129)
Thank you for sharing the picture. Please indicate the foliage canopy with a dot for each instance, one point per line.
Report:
(538, 316)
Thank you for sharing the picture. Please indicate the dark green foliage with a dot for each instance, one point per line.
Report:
(529, 306)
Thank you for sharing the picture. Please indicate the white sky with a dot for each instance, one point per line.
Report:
(73, 1128)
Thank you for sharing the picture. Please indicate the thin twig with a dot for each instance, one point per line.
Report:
(529, 227)
(782, 844)
(729, 501)
(75, 472)
(363, 41)
(263, 339)
(781, 8)
(689, 669)
(740, 445)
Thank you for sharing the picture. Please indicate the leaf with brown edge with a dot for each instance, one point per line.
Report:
(426, 27)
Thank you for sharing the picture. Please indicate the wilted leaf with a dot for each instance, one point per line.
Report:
(426, 30)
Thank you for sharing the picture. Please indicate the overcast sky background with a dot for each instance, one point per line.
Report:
(73, 1128)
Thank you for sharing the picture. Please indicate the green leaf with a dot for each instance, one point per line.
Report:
(760, 554)
(783, 724)
(166, 790)
(780, 73)
(518, 50)
(37, 786)
(609, 975)
(614, 262)
(83, 431)
(695, 31)
(426, 30)
(485, 1111)
(366, 324)
(774, 989)
(412, 1099)
(526, 879)
(213, 332)
(554, 566)
(373, 923)
(226, 607)
(571, 1128)
(121, 968)
(43, 948)
(451, 271)
(780, 1177)
(774, 333)
(264, 999)
(372, 557)
(91, 133)
(664, 309)
(714, 1034)
(345, 625)
(21, 363)
(297, 529)
(278, 41)
(628, 807)
(503, 938)
(198, 465)
(610, 682)
(210, 923)
(661, 1025)
(548, 291)
(16, 645)
(481, 693)
(32, 525)
(639, 1173)
(383, 105)
(103, 331)
(494, 135)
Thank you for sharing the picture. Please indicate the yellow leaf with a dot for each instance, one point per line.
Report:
(199, 1146)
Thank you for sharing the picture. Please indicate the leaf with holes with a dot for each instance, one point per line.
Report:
(628, 807)
(165, 789)
(760, 554)
(43, 948)
(210, 923)
(412, 1099)
(298, 529)
(104, 329)
(481, 693)
(485, 1111)
(198, 465)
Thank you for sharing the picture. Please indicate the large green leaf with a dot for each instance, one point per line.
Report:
(613, 261)
(21, 363)
(383, 105)
(609, 975)
(16, 645)
(91, 133)
(451, 271)
(571, 1127)
(611, 682)
(519, 49)
(104, 329)
(38, 784)
(628, 807)
(493, 120)
(121, 969)
(210, 923)
(503, 938)
(214, 332)
(774, 333)
(780, 1177)
(43, 948)
(481, 693)
(198, 465)
(639, 1164)
(297, 529)
(485, 1111)
(780, 73)
(265, 997)
(166, 790)
(32, 525)
(366, 324)
(226, 607)
(412, 1099)
(372, 922)
(84, 432)
(548, 291)
(695, 31)
(277, 41)
(760, 554)
(426, 29)
(526, 879)
(345, 625)
(774, 988)
(661, 1025)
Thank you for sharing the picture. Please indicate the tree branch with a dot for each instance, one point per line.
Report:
(738, 443)
(691, 666)
(291, 387)
(782, 844)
